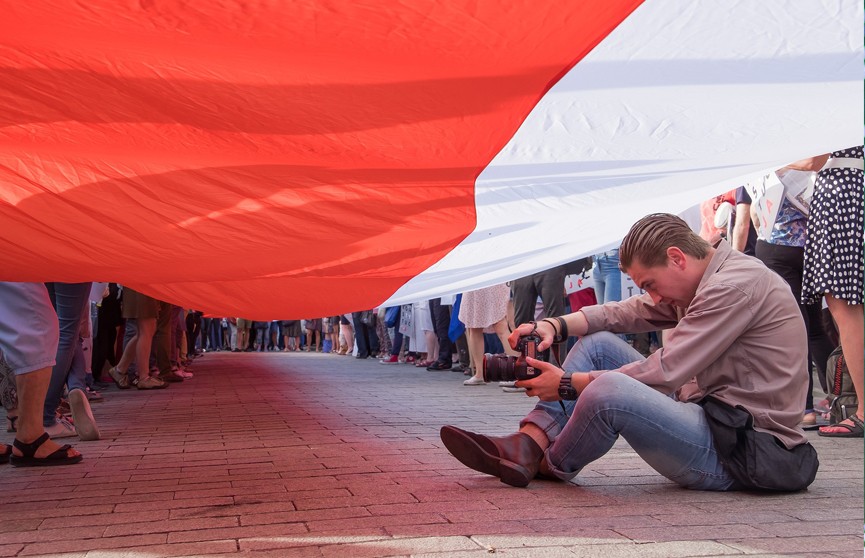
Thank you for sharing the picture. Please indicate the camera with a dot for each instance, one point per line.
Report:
(506, 368)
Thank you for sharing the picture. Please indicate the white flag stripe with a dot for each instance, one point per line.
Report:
(676, 104)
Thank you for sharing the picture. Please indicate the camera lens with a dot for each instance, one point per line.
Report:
(499, 368)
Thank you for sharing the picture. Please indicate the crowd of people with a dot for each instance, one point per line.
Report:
(63, 344)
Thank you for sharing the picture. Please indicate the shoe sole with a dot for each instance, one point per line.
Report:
(471, 454)
(82, 416)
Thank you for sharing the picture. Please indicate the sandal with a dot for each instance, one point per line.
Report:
(7, 453)
(856, 430)
(28, 454)
(151, 382)
(120, 380)
(11, 423)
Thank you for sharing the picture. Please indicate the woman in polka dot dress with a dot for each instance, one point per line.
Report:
(834, 262)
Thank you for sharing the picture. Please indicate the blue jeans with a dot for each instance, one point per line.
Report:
(671, 436)
(72, 303)
(607, 277)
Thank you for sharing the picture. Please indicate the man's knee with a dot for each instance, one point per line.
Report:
(607, 390)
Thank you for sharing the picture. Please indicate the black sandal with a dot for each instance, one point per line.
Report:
(856, 430)
(29, 459)
(12, 425)
(4, 457)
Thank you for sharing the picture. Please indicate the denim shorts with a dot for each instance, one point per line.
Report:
(29, 331)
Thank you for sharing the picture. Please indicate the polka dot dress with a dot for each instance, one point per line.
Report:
(834, 249)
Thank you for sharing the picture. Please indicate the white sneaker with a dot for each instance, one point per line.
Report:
(61, 429)
(513, 389)
(475, 381)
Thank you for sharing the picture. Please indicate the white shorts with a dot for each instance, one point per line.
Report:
(29, 331)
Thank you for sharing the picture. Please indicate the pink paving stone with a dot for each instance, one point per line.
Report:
(261, 443)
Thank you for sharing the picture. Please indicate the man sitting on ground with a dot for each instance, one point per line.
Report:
(729, 382)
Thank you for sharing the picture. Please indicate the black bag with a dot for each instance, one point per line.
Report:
(367, 317)
(842, 395)
(757, 460)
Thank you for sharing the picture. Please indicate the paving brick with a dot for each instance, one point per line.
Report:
(257, 456)
(312, 542)
(250, 531)
(816, 546)
(303, 516)
(86, 544)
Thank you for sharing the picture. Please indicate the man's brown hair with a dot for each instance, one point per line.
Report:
(649, 238)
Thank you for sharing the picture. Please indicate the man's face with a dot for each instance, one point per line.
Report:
(669, 283)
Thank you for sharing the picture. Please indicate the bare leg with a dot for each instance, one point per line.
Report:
(128, 354)
(432, 346)
(146, 329)
(502, 331)
(475, 338)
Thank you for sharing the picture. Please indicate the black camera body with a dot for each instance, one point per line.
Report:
(506, 368)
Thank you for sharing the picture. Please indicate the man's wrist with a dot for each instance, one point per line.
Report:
(566, 388)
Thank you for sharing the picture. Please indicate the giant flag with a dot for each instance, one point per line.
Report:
(276, 159)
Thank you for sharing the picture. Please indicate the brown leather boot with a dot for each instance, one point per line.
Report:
(514, 459)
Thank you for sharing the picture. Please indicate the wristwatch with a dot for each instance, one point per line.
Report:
(566, 390)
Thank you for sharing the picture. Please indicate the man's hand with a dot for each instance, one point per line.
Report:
(544, 330)
(546, 385)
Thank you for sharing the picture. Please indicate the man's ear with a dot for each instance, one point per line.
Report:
(676, 257)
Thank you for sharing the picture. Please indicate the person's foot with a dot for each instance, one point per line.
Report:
(391, 359)
(121, 380)
(43, 451)
(151, 382)
(809, 421)
(851, 427)
(514, 459)
(474, 381)
(438, 365)
(171, 376)
(85, 424)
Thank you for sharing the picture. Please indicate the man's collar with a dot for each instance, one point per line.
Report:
(722, 251)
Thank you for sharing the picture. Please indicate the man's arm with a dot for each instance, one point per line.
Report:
(810, 164)
(743, 223)
(633, 315)
(716, 319)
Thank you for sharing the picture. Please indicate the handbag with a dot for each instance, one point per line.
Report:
(844, 400)
(757, 460)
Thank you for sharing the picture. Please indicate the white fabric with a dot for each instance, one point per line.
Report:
(844, 163)
(674, 106)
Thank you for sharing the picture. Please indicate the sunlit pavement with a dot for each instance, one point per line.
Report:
(295, 454)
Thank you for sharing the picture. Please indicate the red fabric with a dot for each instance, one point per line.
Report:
(270, 161)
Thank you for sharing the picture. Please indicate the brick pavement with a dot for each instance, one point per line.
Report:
(300, 454)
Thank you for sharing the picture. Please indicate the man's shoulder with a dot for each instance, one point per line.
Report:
(749, 276)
